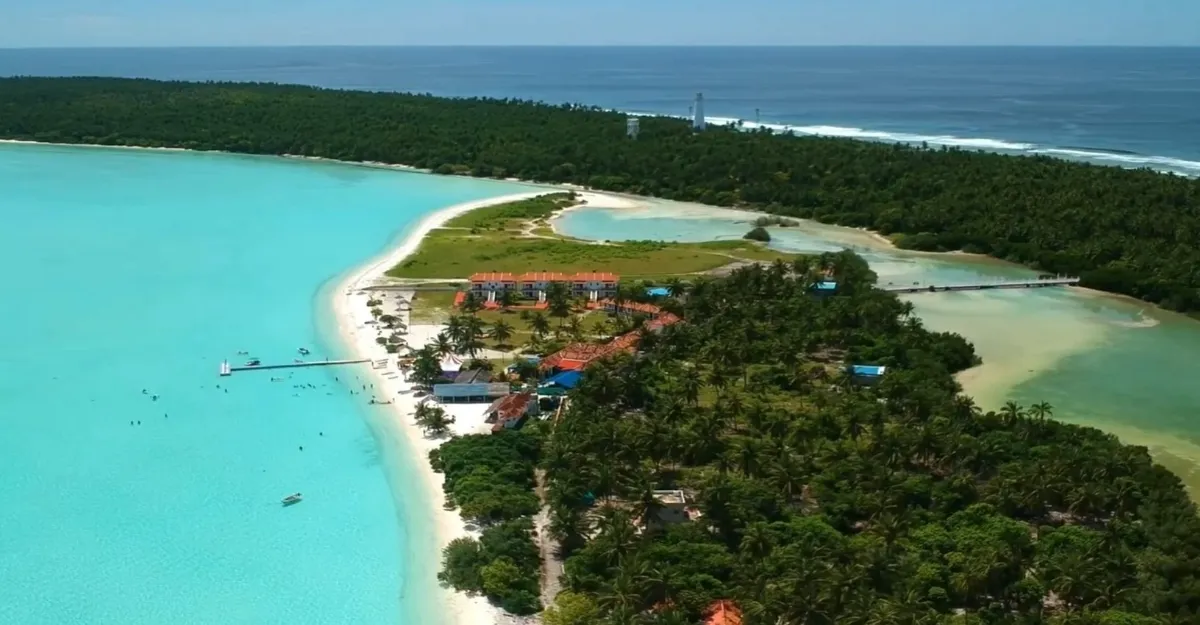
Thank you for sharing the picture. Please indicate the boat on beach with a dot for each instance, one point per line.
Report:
(292, 499)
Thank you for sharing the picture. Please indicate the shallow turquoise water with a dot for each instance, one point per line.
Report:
(1110, 363)
(127, 270)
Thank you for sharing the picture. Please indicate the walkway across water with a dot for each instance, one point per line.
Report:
(226, 369)
(979, 286)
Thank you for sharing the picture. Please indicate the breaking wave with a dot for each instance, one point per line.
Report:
(1099, 156)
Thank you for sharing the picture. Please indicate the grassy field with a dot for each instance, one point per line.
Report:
(510, 237)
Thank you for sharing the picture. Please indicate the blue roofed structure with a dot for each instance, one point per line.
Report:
(470, 393)
(867, 371)
(566, 379)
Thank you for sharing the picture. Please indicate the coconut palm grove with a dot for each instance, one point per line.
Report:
(814, 498)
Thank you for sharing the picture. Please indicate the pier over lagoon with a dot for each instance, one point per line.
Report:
(1036, 283)
(227, 369)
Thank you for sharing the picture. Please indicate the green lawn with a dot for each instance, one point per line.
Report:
(492, 241)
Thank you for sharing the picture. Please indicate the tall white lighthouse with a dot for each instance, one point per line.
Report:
(698, 112)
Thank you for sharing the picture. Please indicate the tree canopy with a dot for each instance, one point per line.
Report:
(822, 499)
(1126, 231)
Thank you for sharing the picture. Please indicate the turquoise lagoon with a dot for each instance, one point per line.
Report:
(127, 270)
(1102, 361)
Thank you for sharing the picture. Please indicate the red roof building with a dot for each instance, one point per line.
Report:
(493, 276)
(510, 411)
(723, 612)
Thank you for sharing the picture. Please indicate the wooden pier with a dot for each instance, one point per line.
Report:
(227, 369)
(980, 286)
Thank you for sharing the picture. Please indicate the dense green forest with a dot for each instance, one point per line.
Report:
(1125, 231)
(824, 501)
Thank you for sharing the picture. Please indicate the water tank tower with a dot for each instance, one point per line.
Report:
(698, 112)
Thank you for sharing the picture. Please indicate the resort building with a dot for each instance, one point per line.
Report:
(594, 284)
(533, 285)
(472, 393)
(576, 356)
(492, 282)
(510, 412)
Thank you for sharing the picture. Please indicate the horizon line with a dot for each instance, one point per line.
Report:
(593, 46)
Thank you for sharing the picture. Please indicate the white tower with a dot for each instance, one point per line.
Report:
(698, 112)
(632, 126)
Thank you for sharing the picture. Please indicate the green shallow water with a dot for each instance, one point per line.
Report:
(1101, 361)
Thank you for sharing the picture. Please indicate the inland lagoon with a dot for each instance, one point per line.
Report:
(1104, 361)
(141, 488)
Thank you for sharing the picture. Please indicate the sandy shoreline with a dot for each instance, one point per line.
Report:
(352, 313)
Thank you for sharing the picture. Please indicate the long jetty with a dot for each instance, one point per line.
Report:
(980, 286)
(227, 369)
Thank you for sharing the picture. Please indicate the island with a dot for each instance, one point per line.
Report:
(643, 432)
(1131, 232)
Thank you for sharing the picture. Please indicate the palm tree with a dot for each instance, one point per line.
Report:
(676, 287)
(1041, 411)
(1012, 412)
(443, 345)
(501, 332)
(539, 324)
(472, 303)
(574, 328)
(558, 300)
(507, 299)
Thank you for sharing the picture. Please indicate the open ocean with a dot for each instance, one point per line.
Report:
(1136, 107)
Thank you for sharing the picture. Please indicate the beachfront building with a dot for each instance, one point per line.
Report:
(451, 366)
(471, 393)
(632, 127)
(487, 284)
(510, 412)
(533, 285)
(594, 284)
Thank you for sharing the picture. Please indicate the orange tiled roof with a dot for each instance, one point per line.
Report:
(724, 612)
(544, 276)
(595, 276)
(492, 276)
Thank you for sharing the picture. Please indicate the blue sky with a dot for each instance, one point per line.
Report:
(37, 23)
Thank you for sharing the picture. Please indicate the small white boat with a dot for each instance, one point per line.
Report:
(253, 362)
(292, 499)
(303, 351)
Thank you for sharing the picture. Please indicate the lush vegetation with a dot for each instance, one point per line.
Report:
(825, 500)
(759, 233)
(490, 478)
(512, 237)
(1125, 231)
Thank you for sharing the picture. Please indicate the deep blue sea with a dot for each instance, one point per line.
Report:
(1135, 107)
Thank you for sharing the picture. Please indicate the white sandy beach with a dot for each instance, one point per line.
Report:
(350, 307)
(358, 331)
